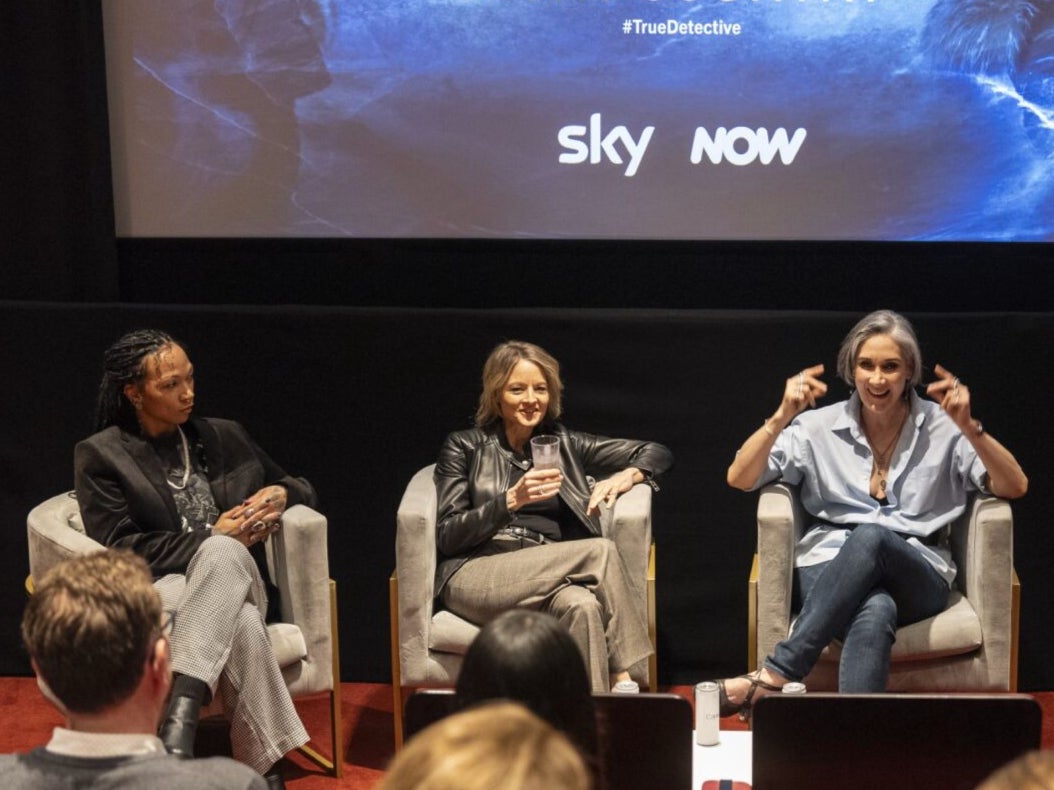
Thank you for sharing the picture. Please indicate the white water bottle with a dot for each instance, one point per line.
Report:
(707, 714)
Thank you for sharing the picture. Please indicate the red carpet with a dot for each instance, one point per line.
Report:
(26, 721)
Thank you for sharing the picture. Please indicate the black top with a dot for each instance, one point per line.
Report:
(475, 469)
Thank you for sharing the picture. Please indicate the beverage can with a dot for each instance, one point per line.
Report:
(707, 714)
(794, 688)
(627, 687)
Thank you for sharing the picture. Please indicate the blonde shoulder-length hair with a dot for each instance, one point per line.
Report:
(498, 368)
(496, 746)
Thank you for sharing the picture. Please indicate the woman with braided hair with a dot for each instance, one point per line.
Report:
(197, 499)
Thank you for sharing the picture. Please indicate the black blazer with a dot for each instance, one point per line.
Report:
(125, 501)
(473, 474)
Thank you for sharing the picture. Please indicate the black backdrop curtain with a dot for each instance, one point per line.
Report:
(358, 399)
(56, 206)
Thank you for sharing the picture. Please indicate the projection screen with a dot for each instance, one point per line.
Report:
(604, 119)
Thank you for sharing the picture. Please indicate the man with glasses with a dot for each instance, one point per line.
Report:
(98, 642)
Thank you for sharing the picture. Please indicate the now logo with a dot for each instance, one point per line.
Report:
(741, 145)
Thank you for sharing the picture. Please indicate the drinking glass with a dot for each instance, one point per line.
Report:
(545, 450)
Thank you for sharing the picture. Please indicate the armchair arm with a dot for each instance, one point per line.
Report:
(51, 535)
(298, 559)
(781, 522)
(629, 526)
(415, 563)
(982, 544)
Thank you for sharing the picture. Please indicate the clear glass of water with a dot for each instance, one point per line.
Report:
(545, 451)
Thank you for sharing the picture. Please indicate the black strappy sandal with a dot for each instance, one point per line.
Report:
(742, 708)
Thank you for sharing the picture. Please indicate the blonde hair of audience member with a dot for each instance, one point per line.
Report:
(497, 746)
(1031, 771)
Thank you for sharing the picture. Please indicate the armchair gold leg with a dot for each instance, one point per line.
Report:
(752, 616)
(653, 660)
(1015, 624)
(397, 674)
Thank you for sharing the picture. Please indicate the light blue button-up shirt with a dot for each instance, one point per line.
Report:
(825, 452)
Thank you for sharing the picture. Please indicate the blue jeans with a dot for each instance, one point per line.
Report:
(874, 584)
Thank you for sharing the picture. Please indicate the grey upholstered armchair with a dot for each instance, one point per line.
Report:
(305, 642)
(428, 645)
(970, 646)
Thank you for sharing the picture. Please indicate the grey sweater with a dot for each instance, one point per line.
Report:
(44, 770)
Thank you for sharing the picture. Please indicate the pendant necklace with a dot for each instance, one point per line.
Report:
(186, 463)
(881, 465)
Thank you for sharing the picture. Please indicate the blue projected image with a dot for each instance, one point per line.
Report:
(683, 119)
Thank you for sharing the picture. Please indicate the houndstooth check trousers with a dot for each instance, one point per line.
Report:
(219, 636)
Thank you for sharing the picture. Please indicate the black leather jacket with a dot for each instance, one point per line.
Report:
(474, 472)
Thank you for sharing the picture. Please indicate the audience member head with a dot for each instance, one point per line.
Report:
(498, 368)
(1031, 771)
(529, 657)
(499, 746)
(124, 363)
(880, 322)
(91, 627)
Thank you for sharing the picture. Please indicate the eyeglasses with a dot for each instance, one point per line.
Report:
(164, 632)
(168, 624)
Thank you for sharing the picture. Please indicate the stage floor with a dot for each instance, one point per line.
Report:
(26, 720)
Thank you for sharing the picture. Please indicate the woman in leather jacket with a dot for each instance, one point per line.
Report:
(513, 536)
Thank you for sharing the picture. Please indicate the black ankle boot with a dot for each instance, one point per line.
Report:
(180, 725)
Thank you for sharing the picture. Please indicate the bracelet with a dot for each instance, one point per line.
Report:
(766, 428)
(978, 428)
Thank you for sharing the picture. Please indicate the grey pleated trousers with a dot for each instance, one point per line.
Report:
(219, 636)
(583, 583)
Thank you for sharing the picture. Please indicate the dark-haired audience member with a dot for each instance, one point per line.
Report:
(99, 646)
(500, 746)
(528, 657)
(197, 499)
(512, 535)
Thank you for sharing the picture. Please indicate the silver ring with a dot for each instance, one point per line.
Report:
(801, 382)
(955, 384)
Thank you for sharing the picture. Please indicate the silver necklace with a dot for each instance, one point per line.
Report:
(186, 463)
(881, 466)
(882, 459)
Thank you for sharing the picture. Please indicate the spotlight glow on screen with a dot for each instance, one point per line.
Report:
(634, 119)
